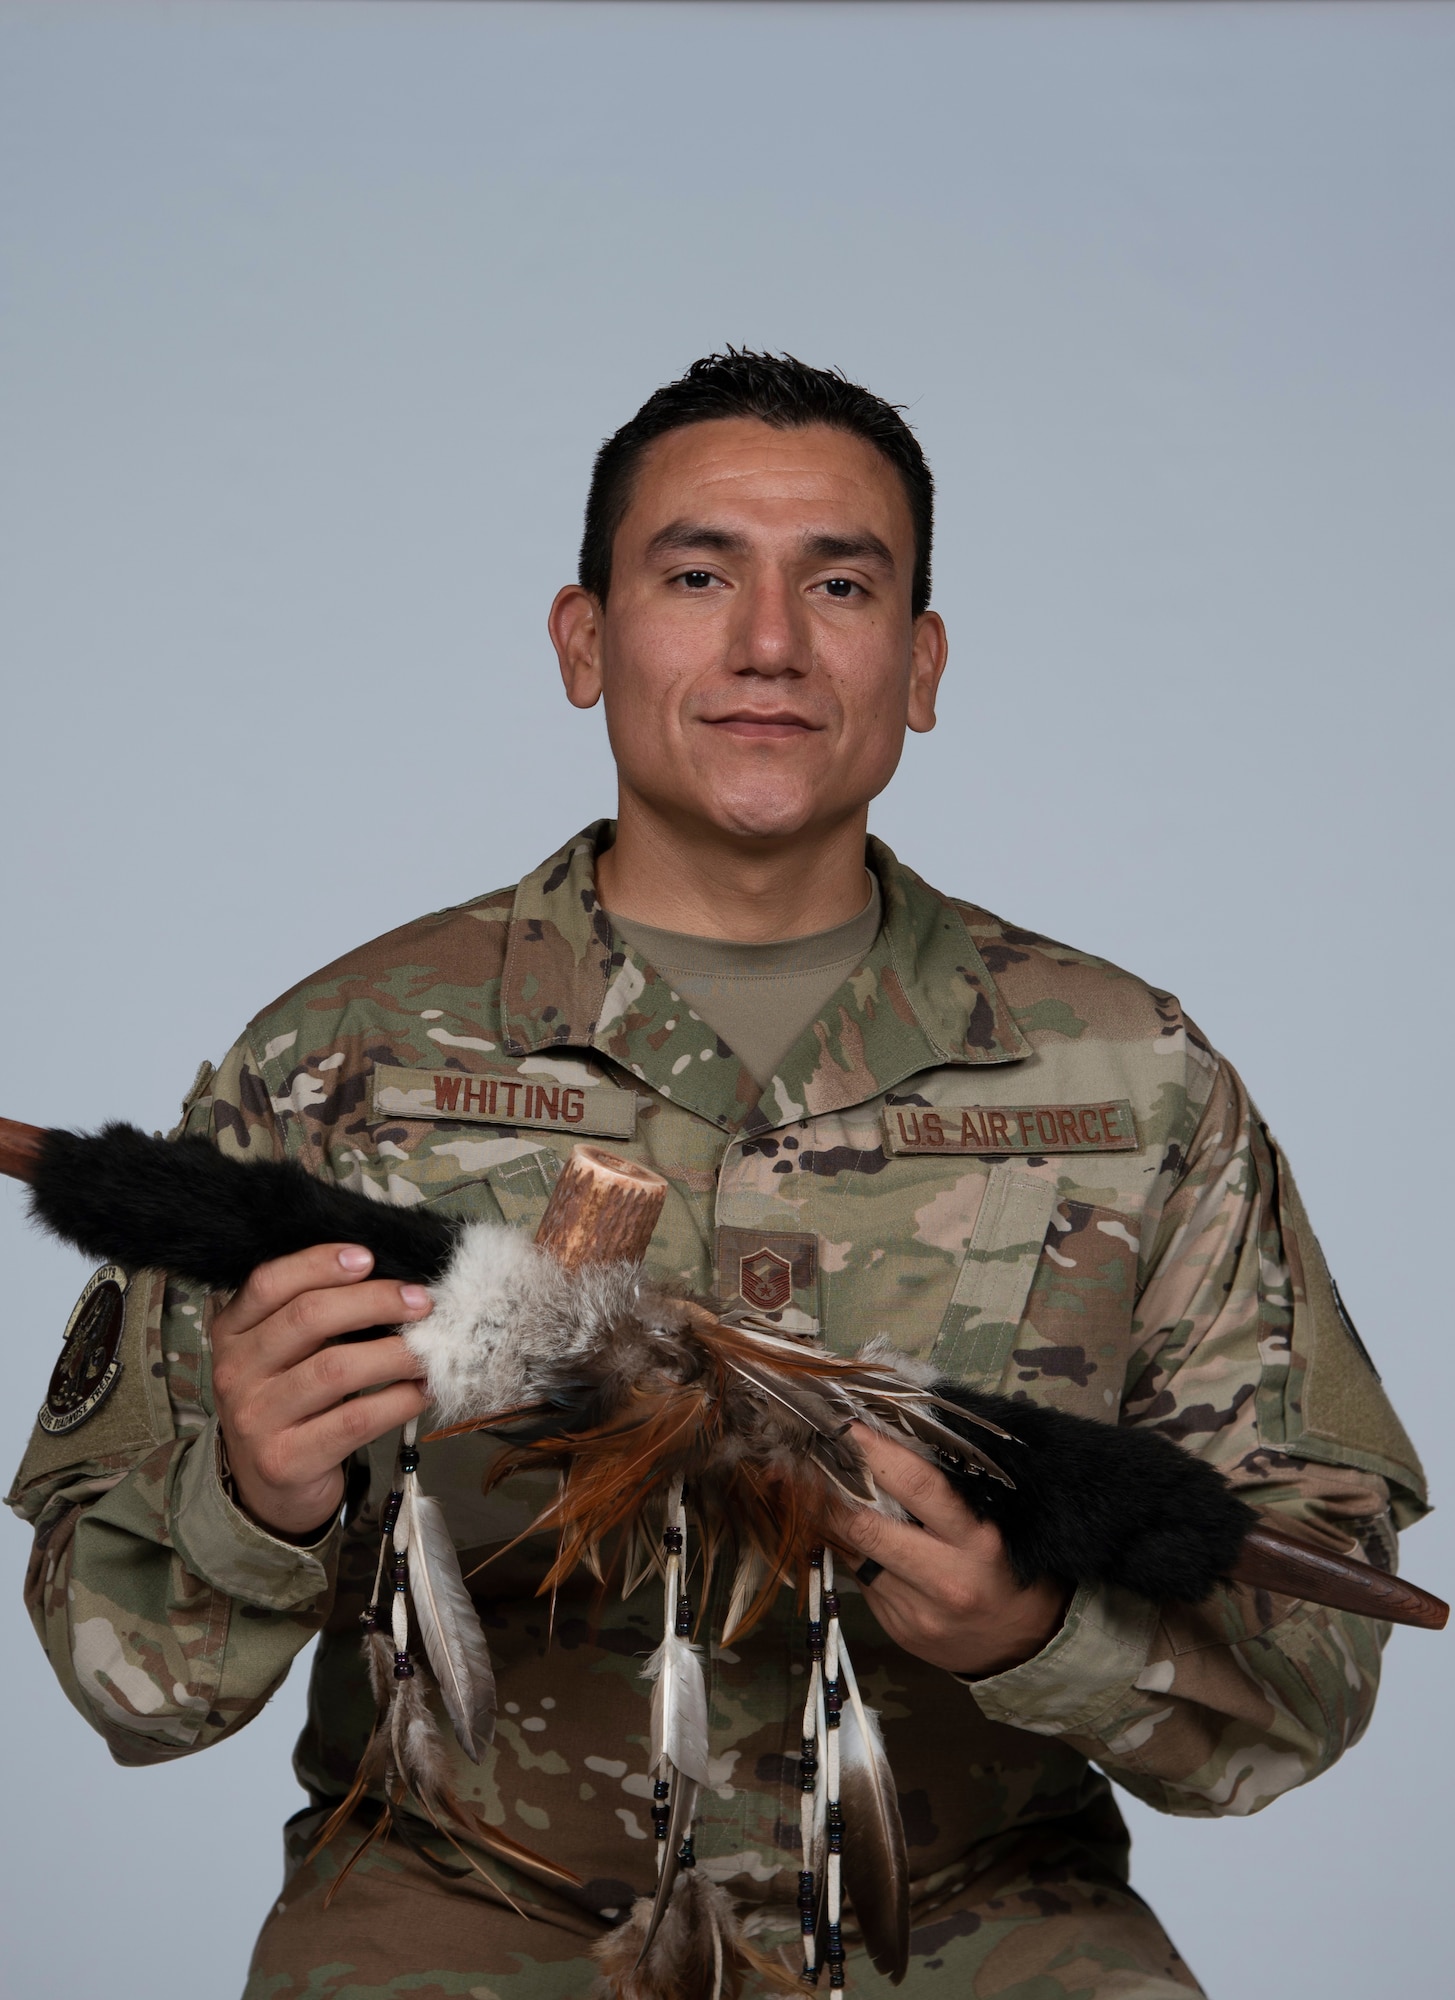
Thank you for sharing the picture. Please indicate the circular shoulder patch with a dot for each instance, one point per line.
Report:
(90, 1359)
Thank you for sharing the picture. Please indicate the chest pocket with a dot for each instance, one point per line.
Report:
(522, 1186)
(977, 1333)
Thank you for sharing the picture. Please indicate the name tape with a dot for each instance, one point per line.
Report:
(1012, 1128)
(543, 1104)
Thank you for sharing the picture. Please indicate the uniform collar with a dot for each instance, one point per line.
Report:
(923, 998)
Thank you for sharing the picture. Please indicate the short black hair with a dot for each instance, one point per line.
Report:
(777, 390)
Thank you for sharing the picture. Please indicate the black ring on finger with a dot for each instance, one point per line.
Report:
(868, 1570)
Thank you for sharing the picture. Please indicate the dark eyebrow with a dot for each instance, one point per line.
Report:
(682, 536)
(848, 548)
(679, 536)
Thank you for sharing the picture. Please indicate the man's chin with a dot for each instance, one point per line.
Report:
(758, 813)
(767, 815)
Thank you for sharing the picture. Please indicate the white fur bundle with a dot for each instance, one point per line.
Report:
(507, 1317)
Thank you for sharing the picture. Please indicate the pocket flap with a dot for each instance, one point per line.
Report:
(522, 1186)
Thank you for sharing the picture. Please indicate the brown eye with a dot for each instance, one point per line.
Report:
(697, 579)
(839, 586)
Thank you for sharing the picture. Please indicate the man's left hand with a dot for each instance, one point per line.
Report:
(944, 1591)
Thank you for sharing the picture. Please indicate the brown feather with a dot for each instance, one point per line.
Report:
(371, 1771)
(405, 1750)
(380, 1827)
(875, 1863)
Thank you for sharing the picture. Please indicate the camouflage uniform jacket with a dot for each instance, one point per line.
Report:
(1006, 1154)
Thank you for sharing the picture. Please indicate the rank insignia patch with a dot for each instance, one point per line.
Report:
(770, 1270)
(765, 1280)
(90, 1360)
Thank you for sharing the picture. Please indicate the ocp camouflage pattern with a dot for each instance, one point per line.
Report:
(1157, 1271)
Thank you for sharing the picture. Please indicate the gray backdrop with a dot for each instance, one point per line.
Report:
(312, 319)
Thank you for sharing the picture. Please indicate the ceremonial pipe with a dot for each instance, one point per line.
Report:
(603, 1209)
(19, 1149)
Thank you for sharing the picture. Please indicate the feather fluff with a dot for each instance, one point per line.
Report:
(699, 1952)
(748, 1580)
(449, 1625)
(414, 1741)
(378, 1653)
(875, 1864)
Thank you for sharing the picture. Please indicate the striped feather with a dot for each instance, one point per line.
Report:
(875, 1864)
(449, 1625)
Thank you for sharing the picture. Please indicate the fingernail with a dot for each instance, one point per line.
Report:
(415, 1297)
(354, 1257)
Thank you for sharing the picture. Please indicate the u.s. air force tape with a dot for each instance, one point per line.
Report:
(542, 1102)
(1108, 1127)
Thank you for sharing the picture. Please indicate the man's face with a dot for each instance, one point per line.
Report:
(757, 653)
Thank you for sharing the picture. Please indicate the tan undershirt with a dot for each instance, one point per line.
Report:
(758, 998)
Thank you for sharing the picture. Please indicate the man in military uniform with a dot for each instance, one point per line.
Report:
(880, 1110)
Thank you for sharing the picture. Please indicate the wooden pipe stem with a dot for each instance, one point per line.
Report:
(1273, 1560)
(19, 1149)
(602, 1210)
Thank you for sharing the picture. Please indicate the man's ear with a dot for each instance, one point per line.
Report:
(575, 629)
(929, 650)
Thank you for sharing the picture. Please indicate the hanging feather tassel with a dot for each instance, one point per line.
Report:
(875, 1862)
(449, 1626)
(829, 1777)
(405, 1755)
(813, 1803)
(683, 1942)
(679, 1721)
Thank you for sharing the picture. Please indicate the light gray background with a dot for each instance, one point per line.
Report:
(312, 318)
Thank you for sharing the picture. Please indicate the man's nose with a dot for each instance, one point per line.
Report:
(770, 636)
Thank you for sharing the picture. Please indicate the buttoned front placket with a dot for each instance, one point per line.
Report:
(767, 1174)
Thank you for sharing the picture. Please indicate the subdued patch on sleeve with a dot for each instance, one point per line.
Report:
(1336, 1410)
(133, 1418)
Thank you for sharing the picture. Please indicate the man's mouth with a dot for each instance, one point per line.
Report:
(763, 726)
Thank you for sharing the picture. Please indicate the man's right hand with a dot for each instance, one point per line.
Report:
(288, 1399)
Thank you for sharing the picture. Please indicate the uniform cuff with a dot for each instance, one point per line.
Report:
(1081, 1673)
(221, 1545)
